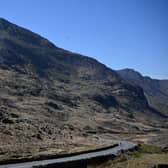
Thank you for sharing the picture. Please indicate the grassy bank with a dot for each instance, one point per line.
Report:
(144, 157)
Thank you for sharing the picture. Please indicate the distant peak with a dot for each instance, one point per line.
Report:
(129, 69)
(130, 72)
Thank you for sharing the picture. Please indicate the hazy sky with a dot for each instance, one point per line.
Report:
(118, 33)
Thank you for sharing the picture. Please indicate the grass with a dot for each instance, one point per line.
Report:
(144, 157)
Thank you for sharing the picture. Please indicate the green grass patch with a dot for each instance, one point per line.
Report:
(150, 149)
(145, 149)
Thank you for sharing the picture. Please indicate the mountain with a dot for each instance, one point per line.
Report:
(156, 91)
(54, 101)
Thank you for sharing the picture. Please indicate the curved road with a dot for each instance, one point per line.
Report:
(123, 146)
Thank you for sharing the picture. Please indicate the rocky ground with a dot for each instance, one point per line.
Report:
(55, 101)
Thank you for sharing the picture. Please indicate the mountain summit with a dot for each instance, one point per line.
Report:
(51, 98)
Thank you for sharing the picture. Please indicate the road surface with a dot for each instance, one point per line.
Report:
(123, 146)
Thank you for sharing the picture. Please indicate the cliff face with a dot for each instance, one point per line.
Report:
(156, 91)
(49, 96)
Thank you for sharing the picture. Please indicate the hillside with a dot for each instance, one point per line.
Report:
(53, 100)
(156, 91)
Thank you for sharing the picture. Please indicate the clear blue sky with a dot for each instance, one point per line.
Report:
(118, 33)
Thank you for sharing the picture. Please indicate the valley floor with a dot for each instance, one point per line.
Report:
(51, 147)
(145, 157)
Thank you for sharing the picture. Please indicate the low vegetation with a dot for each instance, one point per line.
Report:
(145, 157)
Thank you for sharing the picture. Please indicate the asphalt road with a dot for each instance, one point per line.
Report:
(123, 146)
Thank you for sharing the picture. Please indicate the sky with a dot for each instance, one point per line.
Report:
(118, 33)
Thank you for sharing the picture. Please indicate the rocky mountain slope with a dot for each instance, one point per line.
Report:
(53, 100)
(156, 91)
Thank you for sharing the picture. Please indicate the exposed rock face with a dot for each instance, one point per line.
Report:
(156, 91)
(50, 95)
